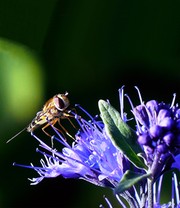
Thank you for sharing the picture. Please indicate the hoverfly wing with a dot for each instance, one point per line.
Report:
(35, 123)
(16, 135)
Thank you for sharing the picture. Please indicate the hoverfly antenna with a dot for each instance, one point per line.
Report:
(16, 135)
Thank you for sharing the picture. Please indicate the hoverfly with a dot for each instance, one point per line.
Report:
(53, 111)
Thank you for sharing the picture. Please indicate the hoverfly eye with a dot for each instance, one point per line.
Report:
(61, 102)
(58, 102)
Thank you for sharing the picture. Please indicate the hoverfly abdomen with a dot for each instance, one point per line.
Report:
(36, 122)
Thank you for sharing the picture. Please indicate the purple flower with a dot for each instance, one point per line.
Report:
(158, 132)
(91, 157)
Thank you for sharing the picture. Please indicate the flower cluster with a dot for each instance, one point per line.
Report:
(102, 152)
(158, 131)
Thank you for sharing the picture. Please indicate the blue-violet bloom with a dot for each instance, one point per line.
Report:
(91, 157)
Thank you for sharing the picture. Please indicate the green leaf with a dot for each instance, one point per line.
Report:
(120, 133)
(129, 179)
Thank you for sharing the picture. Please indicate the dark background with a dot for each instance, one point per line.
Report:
(90, 49)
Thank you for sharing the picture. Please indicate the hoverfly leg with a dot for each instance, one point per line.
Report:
(52, 142)
(64, 129)
(71, 122)
(58, 131)
(43, 129)
(68, 116)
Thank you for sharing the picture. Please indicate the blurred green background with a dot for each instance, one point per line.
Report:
(90, 49)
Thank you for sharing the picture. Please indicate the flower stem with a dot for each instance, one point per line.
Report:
(150, 193)
(150, 181)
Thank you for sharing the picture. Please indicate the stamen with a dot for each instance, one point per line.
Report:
(62, 139)
(132, 107)
(140, 97)
(130, 102)
(120, 201)
(47, 156)
(172, 199)
(108, 202)
(137, 195)
(77, 105)
(27, 166)
(41, 142)
(176, 186)
(154, 193)
(159, 189)
(121, 101)
(173, 100)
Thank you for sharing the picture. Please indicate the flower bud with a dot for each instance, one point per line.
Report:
(168, 138)
(162, 114)
(155, 131)
(144, 139)
(167, 122)
(162, 148)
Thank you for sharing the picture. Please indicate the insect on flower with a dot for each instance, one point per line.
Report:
(53, 111)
